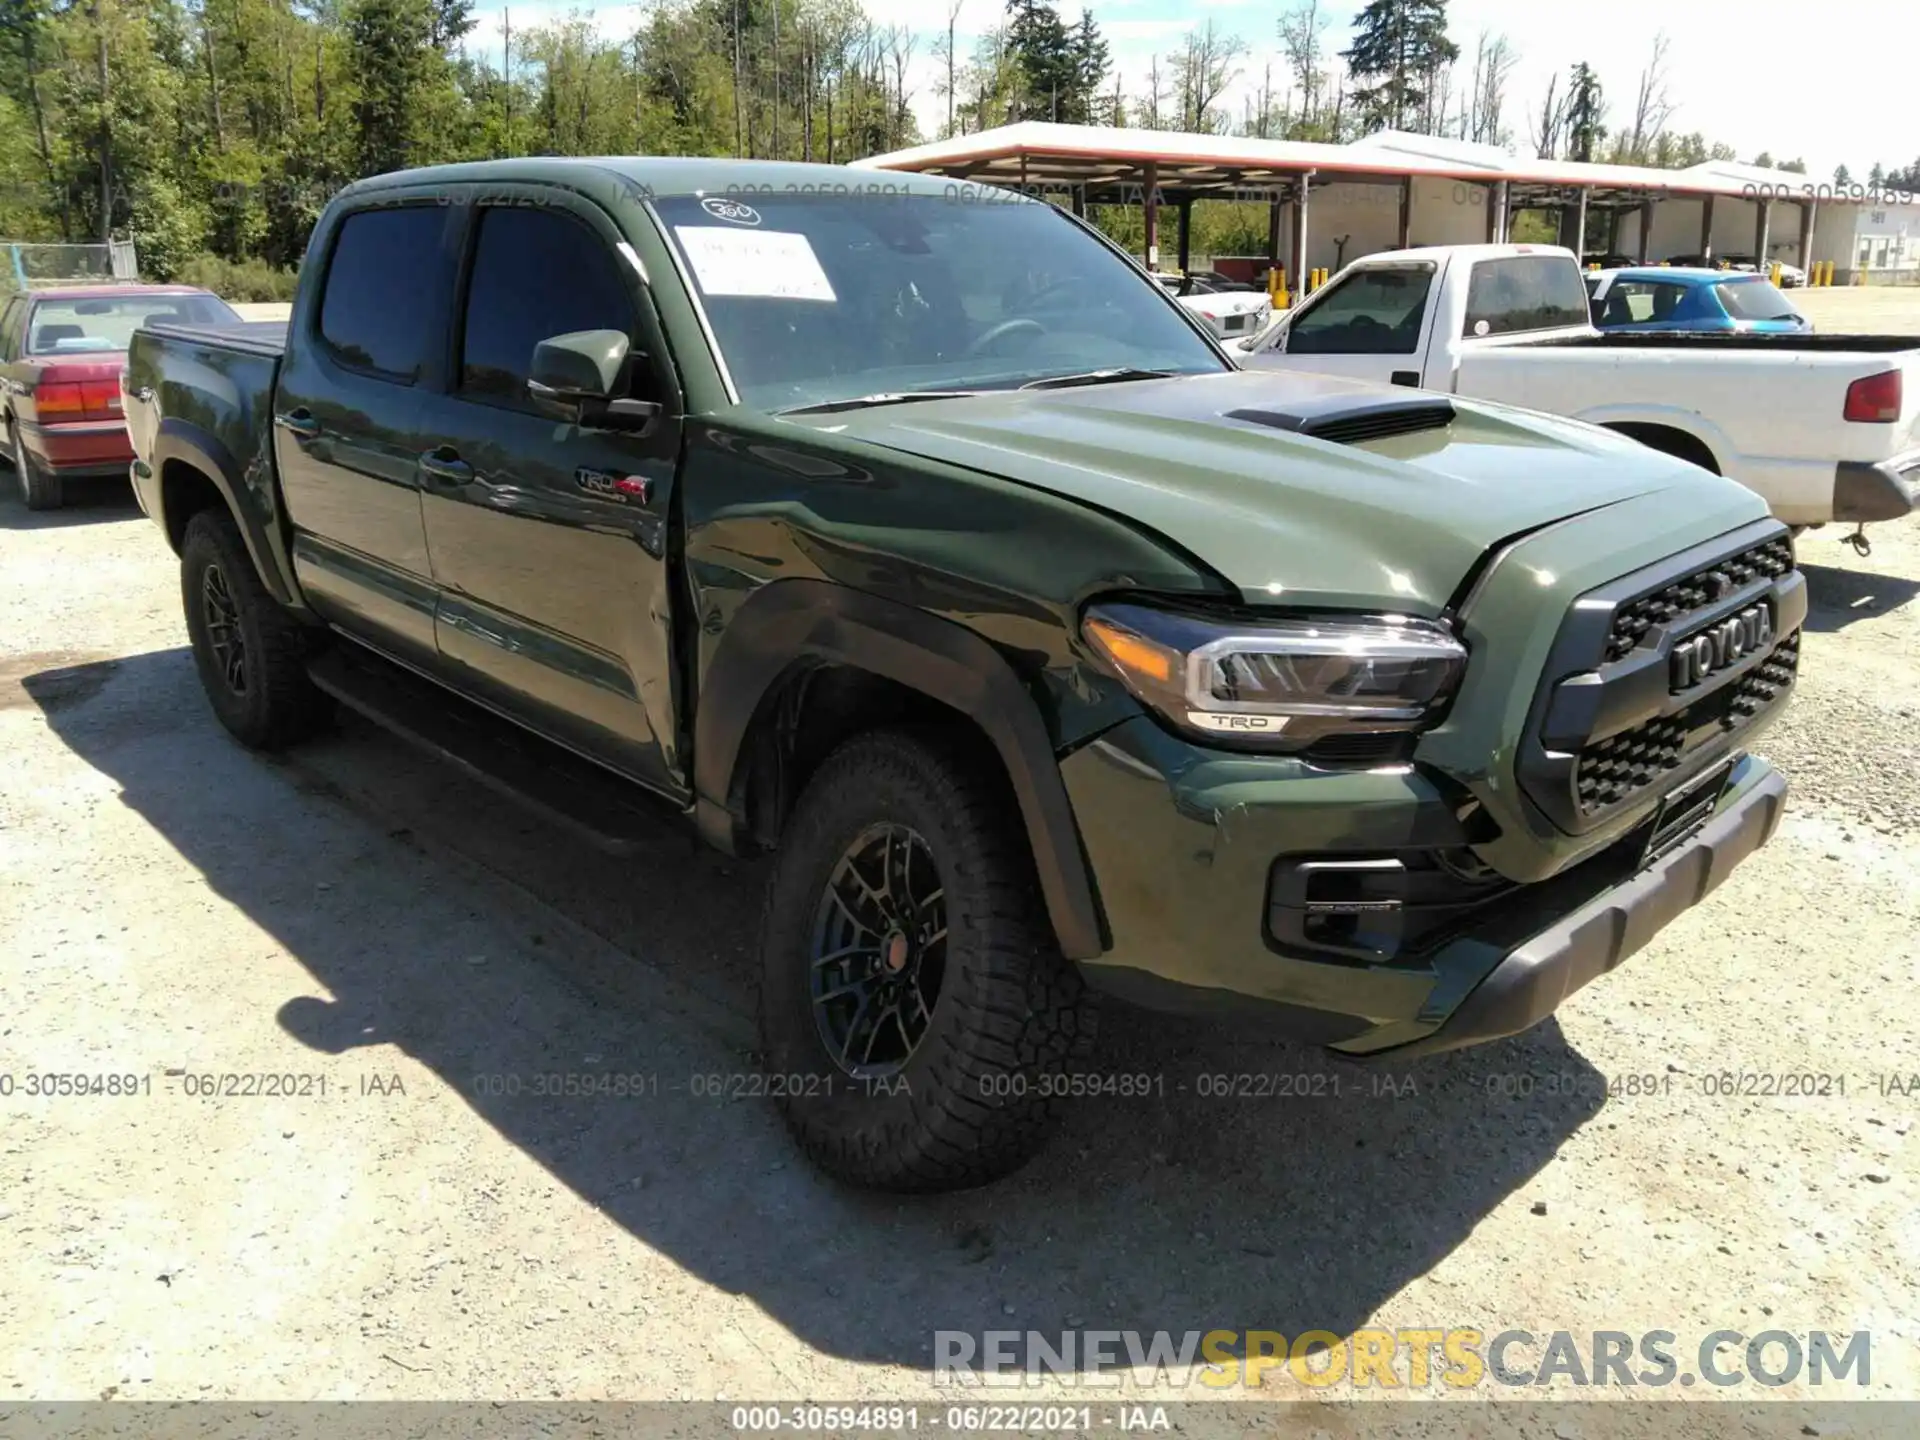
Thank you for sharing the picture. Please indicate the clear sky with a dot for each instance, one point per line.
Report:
(1829, 84)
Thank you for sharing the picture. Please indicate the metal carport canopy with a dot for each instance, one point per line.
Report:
(1107, 162)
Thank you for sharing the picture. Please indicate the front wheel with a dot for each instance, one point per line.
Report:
(250, 652)
(916, 1014)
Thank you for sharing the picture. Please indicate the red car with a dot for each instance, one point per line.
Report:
(61, 352)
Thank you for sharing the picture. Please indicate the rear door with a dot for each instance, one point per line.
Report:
(549, 538)
(364, 345)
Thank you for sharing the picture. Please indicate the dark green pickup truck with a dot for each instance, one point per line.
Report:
(909, 531)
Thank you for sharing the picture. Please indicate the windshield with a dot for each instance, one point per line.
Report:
(817, 298)
(1755, 299)
(107, 322)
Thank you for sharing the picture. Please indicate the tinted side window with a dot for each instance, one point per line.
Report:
(16, 309)
(1372, 312)
(1525, 292)
(378, 308)
(536, 274)
(1634, 302)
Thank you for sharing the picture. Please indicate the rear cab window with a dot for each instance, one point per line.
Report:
(378, 308)
(1519, 294)
(1374, 311)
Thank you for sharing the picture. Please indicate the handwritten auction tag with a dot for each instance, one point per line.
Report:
(771, 264)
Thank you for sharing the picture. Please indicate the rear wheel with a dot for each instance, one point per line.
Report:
(39, 488)
(250, 652)
(915, 1012)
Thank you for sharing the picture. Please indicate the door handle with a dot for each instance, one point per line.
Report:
(299, 423)
(444, 463)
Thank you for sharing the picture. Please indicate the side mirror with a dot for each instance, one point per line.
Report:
(576, 377)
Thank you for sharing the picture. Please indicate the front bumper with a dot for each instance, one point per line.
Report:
(1183, 843)
(1864, 492)
(1530, 982)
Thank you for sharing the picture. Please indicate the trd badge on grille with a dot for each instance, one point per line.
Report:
(1711, 651)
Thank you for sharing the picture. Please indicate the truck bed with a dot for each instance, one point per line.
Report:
(253, 337)
(1765, 344)
(213, 393)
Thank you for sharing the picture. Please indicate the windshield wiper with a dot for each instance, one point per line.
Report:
(883, 397)
(1096, 377)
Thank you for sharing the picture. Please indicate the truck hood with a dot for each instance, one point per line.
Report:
(1395, 523)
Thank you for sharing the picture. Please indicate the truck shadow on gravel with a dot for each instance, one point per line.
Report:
(443, 922)
(1838, 596)
(84, 502)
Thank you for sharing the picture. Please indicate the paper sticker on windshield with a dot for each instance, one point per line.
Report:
(769, 264)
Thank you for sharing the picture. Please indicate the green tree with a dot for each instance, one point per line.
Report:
(1586, 114)
(1042, 51)
(1400, 49)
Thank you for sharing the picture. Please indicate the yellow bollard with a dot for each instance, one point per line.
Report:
(1775, 274)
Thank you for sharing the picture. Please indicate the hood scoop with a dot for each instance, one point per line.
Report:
(1344, 422)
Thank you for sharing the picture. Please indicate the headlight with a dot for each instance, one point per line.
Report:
(1282, 683)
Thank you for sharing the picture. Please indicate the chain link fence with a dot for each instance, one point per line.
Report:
(26, 265)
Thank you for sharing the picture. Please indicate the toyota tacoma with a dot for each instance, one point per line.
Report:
(925, 542)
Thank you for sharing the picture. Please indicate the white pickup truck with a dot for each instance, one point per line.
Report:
(1824, 427)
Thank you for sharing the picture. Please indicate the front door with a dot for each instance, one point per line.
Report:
(548, 538)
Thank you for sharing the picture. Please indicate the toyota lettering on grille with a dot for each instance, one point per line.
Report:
(1701, 656)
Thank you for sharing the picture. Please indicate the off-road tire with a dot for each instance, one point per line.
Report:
(277, 703)
(977, 1096)
(39, 488)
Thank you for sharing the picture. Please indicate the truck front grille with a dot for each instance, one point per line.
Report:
(1674, 602)
(1623, 764)
(1613, 728)
(1610, 770)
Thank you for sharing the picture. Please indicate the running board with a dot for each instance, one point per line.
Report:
(608, 812)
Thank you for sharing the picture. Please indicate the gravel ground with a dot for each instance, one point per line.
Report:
(173, 907)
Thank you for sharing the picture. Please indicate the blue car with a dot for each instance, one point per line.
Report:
(1666, 298)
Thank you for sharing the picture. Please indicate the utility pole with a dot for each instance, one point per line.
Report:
(506, 75)
(106, 130)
